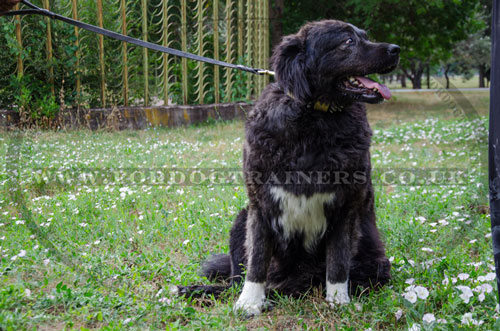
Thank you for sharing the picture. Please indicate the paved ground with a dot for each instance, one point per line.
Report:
(434, 90)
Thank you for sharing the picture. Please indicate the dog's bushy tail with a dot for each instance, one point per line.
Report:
(217, 267)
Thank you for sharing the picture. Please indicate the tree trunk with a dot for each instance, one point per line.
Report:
(276, 8)
(446, 70)
(416, 81)
(403, 80)
(481, 75)
(415, 73)
(428, 74)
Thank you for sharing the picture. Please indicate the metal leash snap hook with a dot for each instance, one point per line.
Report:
(265, 72)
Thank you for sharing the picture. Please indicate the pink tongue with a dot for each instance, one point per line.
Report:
(382, 89)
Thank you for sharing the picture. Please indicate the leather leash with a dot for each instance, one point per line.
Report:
(92, 28)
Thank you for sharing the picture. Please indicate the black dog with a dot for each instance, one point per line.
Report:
(310, 220)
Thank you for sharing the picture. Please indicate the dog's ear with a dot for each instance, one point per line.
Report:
(289, 64)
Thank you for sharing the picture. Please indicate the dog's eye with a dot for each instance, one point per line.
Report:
(349, 41)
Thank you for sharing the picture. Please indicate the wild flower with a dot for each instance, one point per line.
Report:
(466, 293)
(429, 318)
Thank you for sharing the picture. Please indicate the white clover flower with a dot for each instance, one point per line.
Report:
(481, 297)
(164, 300)
(490, 276)
(398, 314)
(421, 292)
(22, 253)
(483, 288)
(443, 222)
(415, 327)
(427, 249)
(445, 281)
(466, 293)
(468, 320)
(463, 276)
(409, 281)
(46, 262)
(27, 293)
(410, 296)
(429, 318)
(421, 219)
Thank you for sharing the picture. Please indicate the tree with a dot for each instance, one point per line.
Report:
(426, 31)
(473, 54)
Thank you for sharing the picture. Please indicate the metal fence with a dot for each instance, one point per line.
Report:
(116, 73)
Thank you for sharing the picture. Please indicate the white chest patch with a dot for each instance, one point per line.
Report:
(300, 214)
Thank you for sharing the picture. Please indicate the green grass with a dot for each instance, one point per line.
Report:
(455, 82)
(102, 256)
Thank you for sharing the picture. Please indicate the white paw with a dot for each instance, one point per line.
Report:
(252, 299)
(252, 307)
(337, 294)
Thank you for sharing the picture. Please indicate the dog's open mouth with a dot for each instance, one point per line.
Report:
(366, 90)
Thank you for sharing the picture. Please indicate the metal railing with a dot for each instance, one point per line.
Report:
(235, 31)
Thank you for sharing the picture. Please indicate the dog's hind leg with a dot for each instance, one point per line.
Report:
(237, 248)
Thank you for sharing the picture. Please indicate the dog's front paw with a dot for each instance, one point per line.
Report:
(252, 299)
(249, 307)
(337, 294)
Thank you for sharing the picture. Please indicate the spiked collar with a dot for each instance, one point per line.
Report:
(324, 107)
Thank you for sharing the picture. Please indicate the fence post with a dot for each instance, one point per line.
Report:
(249, 45)
(123, 14)
(216, 50)
(74, 15)
(200, 66)
(229, 74)
(165, 38)
(266, 40)
(46, 5)
(144, 6)
(259, 44)
(240, 29)
(101, 54)
(20, 65)
(184, 48)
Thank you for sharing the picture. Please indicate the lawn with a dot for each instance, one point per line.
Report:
(455, 82)
(100, 251)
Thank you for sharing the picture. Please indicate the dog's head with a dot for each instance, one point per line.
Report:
(328, 61)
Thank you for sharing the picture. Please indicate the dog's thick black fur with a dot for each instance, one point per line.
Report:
(310, 219)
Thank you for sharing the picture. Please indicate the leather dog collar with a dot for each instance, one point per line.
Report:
(324, 107)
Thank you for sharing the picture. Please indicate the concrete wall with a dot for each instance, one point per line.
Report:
(137, 118)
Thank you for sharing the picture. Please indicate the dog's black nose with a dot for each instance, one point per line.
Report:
(393, 49)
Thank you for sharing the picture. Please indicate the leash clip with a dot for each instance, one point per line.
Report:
(265, 72)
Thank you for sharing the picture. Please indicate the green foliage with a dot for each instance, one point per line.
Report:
(426, 31)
